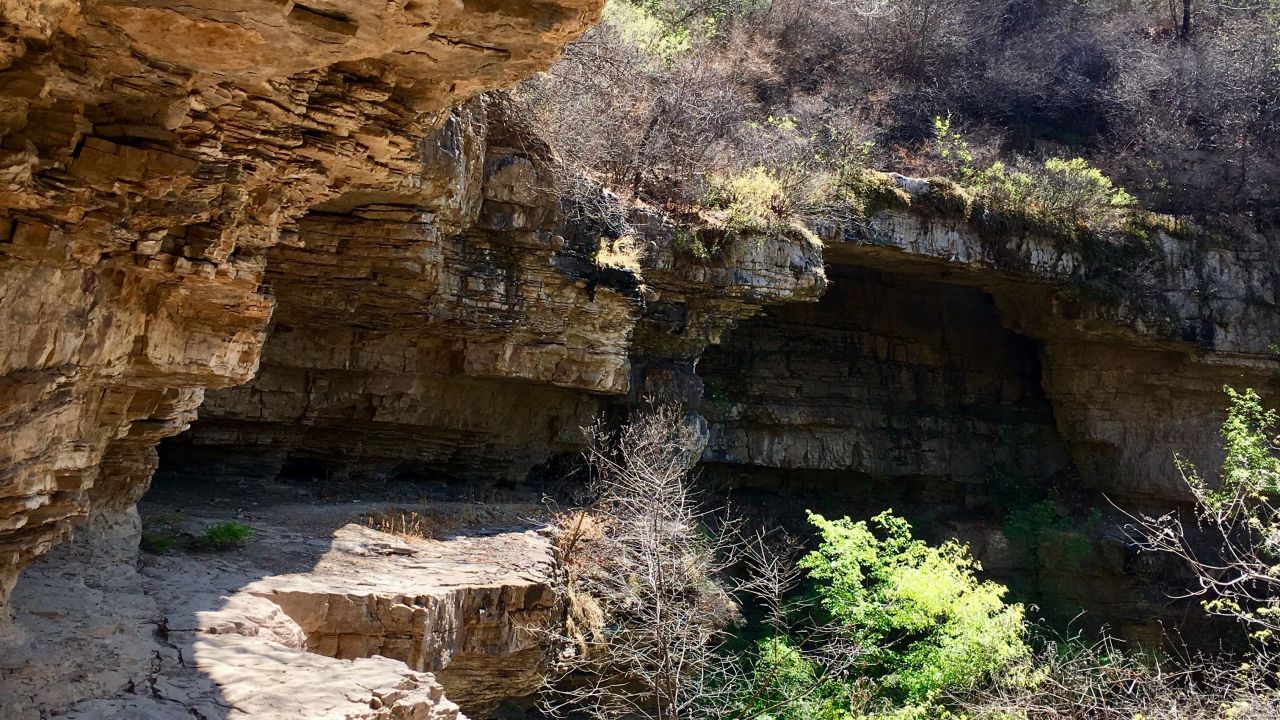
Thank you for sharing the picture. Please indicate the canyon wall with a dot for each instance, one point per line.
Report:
(151, 154)
(943, 349)
(1135, 336)
(949, 366)
(311, 212)
(404, 347)
(959, 375)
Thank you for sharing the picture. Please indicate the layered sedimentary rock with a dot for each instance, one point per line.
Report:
(958, 374)
(302, 622)
(887, 376)
(951, 368)
(150, 154)
(474, 345)
(945, 351)
(307, 210)
(469, 609)
(1136, 336)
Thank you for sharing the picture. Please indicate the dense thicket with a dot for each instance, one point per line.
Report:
(875, 624)
(1178, 102)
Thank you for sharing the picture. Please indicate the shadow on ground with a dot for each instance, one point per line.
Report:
(317, 615)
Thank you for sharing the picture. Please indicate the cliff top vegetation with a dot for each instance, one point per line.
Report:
(778, 107)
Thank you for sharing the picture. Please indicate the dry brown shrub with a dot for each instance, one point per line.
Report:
(422, 522)
(647, 594)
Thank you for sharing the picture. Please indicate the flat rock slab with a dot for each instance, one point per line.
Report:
(378, 626)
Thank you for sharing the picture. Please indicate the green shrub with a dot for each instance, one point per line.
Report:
(1142, 223)
(154, 543)
(638, 27)
(160, 533)
(1250, 467)
(1056, 196)
(688, 242)
(926, 625)
(1027, 527)
(870, 190)
(948, 197)
(1004, 186)
(762, 203)
(1250, 471)
(1240, 578)
(222, 536)
(1076, 190)
(786, 685)
(754, 201)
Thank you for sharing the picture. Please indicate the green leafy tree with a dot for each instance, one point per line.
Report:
(787, 684)
(924, 624)
(1234, 546)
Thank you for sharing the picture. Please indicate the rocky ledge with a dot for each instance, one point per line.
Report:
(151, 153)
(309, 210)
(301, 622)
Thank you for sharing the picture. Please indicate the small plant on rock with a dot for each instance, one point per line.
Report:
(754, 201)
(953, 148)
(154, 543)
(222, 536)
(624, 253)
(160, 534)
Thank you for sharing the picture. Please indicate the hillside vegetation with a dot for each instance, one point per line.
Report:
(749, 106)
(676, 612)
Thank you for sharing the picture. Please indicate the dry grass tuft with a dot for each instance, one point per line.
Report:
(579, 538)
(624, 253)
(586, 621)
(402, 523)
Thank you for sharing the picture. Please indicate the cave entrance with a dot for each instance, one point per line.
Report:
(894, 390)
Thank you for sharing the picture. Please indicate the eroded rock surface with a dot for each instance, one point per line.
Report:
(308, 210)
(474, 348)
(960, 374)
(151, 153)
(468, 610)
(302, 622)
(1136, 337)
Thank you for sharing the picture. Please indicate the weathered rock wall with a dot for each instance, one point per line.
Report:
(407, 344)
(948, 364)
(479, 348)
(150, 154)
(306, 210)
(1136, 337)
(887, 376)
(958, 374)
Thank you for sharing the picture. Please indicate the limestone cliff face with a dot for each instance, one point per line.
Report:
(151, 154)
(952, 371)
(944, 363)
(1134, 337)
(408, 345)
(473, 344)
(309, 210)
(946, 351)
